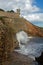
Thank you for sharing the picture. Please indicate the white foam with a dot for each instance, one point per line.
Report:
(31, 49)
(22, 37)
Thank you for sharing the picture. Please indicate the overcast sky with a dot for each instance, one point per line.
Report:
(32, 10)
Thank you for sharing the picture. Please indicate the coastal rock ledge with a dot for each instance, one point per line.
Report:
(19, 59)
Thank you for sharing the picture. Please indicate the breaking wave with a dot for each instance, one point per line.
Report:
(31, 46)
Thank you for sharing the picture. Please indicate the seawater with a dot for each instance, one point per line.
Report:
(30, 46)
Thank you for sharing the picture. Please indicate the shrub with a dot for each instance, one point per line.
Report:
(11, 11)
(1, 10)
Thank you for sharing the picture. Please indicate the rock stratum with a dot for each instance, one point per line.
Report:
(10, 24)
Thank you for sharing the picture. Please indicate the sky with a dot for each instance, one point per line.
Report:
(32, 10)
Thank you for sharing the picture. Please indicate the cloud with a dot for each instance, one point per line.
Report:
(35, 17)
(22, 4)
(29, 7)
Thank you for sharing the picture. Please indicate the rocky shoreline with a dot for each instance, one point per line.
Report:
(40, 59)
(18, 59)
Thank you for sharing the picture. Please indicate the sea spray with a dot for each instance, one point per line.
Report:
(22, 38)
(28, 46)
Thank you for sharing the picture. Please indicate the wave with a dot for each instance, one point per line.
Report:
(28, 45)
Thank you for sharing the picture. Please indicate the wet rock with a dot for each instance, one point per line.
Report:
(19, 59)
(40, 59)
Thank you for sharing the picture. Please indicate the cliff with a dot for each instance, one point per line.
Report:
(10, 24)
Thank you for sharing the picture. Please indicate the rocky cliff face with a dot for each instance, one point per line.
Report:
(9, 26)
(19, 23)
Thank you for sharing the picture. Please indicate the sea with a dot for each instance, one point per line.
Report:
(30, 46)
